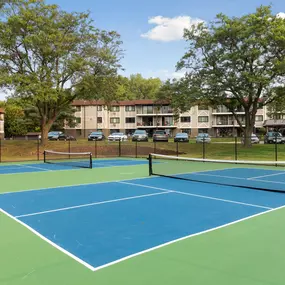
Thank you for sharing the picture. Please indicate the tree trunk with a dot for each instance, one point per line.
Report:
(45, 128)
(248, 130)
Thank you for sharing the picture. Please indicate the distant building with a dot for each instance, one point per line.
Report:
(2, 123)
(127, 116)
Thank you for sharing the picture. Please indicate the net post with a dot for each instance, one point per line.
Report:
(44, 156)
(150, 165)
(90, 161)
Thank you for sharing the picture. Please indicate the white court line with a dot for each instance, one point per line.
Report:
(49, 241)
(274, 174)
(196, 195)
(263, 180)
(34, 167)
(183, 238)
(93, 204)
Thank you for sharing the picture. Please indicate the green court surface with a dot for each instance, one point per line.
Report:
(249, 252)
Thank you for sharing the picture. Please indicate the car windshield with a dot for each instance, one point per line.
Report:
(159, 133)
(96, 133)
(53, 133)
(182, 135)
(117, 134)
(274, 134)
(203, 135)
(140, 132)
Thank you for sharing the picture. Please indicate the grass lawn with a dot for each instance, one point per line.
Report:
(12, 150)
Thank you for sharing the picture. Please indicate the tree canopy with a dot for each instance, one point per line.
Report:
(49, 56)
(233, 62)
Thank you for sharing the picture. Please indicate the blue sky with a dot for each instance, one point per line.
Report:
(151, 31)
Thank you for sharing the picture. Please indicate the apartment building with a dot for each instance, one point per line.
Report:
(127, 116)
(1, 123)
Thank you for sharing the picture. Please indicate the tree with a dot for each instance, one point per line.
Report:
(15, 124)
(47, 55)
(276, 108)
(234, 62)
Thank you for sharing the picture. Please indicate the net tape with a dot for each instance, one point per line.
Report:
(67, 153)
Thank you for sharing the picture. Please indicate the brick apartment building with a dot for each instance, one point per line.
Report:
(127, 116)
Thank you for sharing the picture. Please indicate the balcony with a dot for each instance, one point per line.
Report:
(224, 110)
(2, 127)
(154, 111)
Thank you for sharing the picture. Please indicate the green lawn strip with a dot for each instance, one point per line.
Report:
(38, 180)
(219, 149)
(248, 253)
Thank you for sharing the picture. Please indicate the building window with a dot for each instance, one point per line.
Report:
(203, 107)
(99, 120)
(130, 120)
(115, 108)
(185, 119)
(78, 120)
(114, 120)
(203, 119)
(77, 108)
(259, 118)
(99, 108)
(130, 108)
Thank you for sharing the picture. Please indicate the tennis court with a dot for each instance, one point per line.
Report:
(209, 224)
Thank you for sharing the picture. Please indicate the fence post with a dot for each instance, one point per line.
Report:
(38, 150)
(69, 147)
(119, 148)
(236, 150)
(276, 151)
(136, 149)
(95, 148)
(154, 147)
(0, 150)
(177, 149)
(204, 148)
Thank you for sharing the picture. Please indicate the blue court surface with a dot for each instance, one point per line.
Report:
(38, 167)
(104, 223)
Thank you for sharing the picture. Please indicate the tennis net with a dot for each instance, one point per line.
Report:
(73, 159)
(259, 175)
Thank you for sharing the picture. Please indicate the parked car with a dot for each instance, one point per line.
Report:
(64, 137)
(117, 137)
(181, 137)
(160, 136)
(53, 136)
(140, 135)
(273, 137)
(254, 139)
(203, 137)
(96, 136)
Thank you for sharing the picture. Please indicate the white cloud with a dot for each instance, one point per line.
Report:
(281, 15)
(169, 29)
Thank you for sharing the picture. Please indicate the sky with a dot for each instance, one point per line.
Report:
(152, 30)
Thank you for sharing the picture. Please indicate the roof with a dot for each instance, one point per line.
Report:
(2, 111)
(119, 103)
(272, 123)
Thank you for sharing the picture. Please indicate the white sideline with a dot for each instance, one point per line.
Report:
(93, 204)
(183, 238)
(34, 167)
(49, 241)
(274, 174)
(196, 195)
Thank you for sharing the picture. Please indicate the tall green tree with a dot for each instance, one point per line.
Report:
(47, 55)
(14, 124)
(234, 62)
